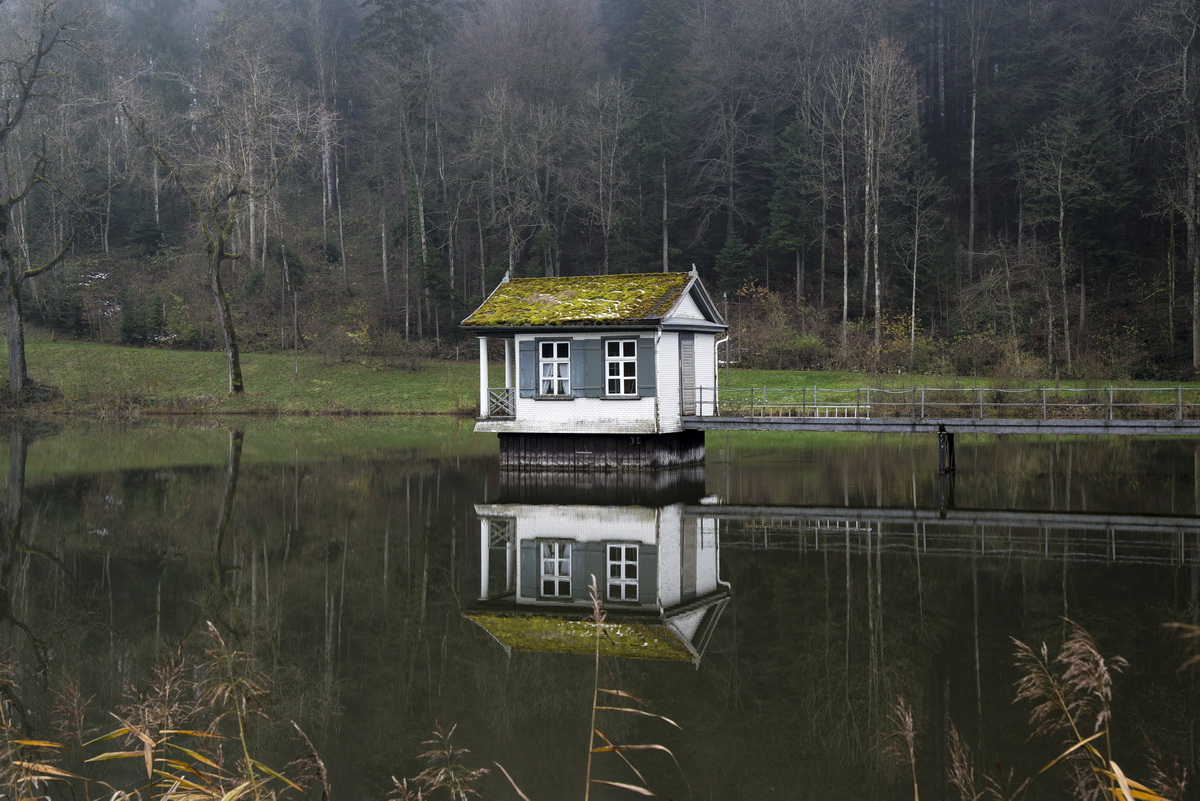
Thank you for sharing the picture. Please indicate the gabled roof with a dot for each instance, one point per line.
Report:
(588, 300)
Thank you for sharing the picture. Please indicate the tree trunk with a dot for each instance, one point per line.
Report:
(383, 249)
(1194, 265)
(1062, 277)
(971, 176)
(665, 248)
(225, 317)
(18, 376)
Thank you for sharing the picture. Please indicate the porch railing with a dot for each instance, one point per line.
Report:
(502, 403)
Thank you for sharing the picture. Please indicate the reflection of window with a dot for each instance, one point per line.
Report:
(622, 572)
(620, 366)
(555, 369)
(556, 569)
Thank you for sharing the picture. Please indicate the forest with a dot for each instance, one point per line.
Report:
(935, 186)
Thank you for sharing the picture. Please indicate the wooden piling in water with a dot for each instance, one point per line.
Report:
(945, 450)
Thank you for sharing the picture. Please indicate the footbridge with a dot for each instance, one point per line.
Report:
(1139, 411)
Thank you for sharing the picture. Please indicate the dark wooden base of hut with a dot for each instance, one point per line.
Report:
(566, 452)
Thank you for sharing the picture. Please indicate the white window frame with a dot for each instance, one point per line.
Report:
(554, 370)
(621, 368)
(623, 572)
(554, 568)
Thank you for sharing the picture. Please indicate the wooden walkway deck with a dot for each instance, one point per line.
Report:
(1141, 411)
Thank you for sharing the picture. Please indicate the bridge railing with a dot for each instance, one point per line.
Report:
(1035, 403)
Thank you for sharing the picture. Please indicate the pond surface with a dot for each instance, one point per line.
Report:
(386, 577)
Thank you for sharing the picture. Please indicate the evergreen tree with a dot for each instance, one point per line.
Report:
(795, 207)
(656, 88)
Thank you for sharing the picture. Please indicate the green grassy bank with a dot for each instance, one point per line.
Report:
(114, 382)
(110, 381)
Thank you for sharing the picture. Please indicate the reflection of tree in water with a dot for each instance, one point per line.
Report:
(15, 556)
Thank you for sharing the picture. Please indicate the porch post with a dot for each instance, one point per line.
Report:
(483, 377)
(510, 381)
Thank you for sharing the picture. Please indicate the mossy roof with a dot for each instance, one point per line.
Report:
(562, 634)
(581, 300)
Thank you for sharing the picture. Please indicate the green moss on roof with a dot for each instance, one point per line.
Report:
(582, 300)
(565, 635)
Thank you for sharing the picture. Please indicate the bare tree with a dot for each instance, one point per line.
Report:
(841, 85)
(603, 131)
(243, 130)
(1167, 91)
(889, 120)
(32, 34)
(978, 15)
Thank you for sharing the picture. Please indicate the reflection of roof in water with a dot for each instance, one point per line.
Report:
(563, 634)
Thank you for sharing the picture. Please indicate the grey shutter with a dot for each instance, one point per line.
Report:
(581, 568)
(529, 569)
(527, 367)
(647, 379)
(587, 368)
(648, 574)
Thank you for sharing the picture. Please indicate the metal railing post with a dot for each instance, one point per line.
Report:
(1043, 403)
(980, 403)
(1110, 403)
(1179, 401)
(922, 403)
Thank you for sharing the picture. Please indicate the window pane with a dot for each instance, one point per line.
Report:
(630, 348)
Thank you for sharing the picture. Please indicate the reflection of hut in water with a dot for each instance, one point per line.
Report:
(657, 574)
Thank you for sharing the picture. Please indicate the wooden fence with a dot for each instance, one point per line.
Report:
(978, 403)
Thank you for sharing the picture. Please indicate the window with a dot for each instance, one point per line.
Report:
(620, 366)
(554, 359)
(556, 569)
(622, 572)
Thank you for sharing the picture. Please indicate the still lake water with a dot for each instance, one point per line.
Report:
(831, 574)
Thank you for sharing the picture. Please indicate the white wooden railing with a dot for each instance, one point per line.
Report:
(1045, 403)
(502, 403)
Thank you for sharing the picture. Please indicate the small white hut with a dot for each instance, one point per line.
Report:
(598, 371)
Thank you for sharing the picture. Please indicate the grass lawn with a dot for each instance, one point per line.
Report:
(110, 381)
